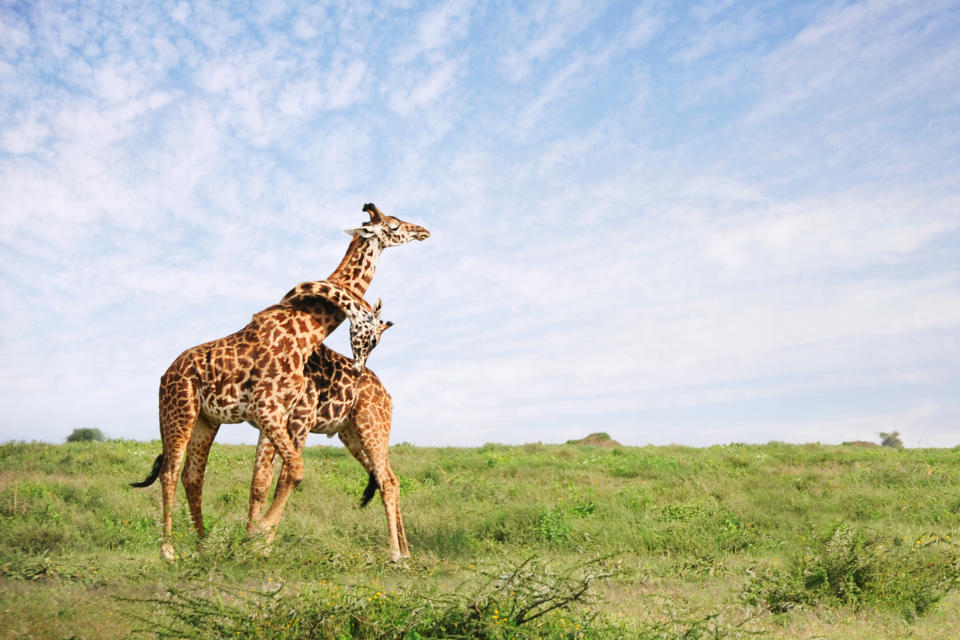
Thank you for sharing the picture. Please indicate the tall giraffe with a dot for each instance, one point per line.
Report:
(357, 408)
(256, 374)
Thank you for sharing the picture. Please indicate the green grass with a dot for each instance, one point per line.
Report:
(780, 541)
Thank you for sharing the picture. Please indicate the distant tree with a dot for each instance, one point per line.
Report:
(891, 439)
(85, 434)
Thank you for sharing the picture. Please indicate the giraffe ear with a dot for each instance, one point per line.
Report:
(363, 232)
(377, 308)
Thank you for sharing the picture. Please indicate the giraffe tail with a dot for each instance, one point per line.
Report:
(368, 493)
(153, 474)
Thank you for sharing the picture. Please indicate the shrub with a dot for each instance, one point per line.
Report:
(553, 525)
(891, 439)
(525, 600)
(853, 568)
(86, 434)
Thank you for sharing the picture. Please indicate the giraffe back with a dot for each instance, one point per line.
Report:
(265, 358)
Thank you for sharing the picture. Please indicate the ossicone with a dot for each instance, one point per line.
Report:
(373, 211)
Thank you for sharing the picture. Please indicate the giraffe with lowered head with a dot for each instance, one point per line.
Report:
(355, 406)
(256, 374)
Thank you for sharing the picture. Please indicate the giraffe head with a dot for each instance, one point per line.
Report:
(365, 334)
(387, 230)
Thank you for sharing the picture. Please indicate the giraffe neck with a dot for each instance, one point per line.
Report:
(355, 271)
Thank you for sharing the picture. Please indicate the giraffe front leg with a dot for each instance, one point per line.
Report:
(298, 429)
(273, 426)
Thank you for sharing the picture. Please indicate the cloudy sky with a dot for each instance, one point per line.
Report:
(688, 223)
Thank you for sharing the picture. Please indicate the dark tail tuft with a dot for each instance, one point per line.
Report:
(370, 491)
(153, 474)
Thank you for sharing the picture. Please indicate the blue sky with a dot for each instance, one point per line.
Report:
(690, 223)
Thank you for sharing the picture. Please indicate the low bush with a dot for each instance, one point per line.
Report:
(526, 600)
(86, 434)
(851, 567)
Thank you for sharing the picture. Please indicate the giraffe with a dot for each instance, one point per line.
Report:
(256, 374)
(355, 406)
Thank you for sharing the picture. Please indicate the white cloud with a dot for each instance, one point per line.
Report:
(421, 90)
(822, 235)
(181, 12)
(628, 233)
(644, 25)
(719, 35)
(862, 47)
(554, 90)
(14, 34)
(26, 137)
(346, 85)
(437, 29)
(542, 32)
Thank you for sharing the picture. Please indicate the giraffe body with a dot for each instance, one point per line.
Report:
(253, 375)
(356, 406)
(256, 374)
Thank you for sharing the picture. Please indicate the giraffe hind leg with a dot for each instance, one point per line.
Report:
(262, 476)
(194, 467)
(178, 413)
(402, 534)
(348, 436)
(390, 494)
(168, 482)
(368, 443)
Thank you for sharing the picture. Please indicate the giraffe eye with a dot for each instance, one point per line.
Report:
(394, 225)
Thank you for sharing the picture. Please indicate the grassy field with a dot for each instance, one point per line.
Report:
(769, 541)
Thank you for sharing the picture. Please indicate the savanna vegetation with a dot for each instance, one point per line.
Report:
(534, 541)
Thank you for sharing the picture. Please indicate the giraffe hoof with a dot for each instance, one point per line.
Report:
(166, 551)
(265, 533)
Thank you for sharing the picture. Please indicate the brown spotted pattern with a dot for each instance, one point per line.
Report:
(254, 375)
(357, 408)
(257, 374)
